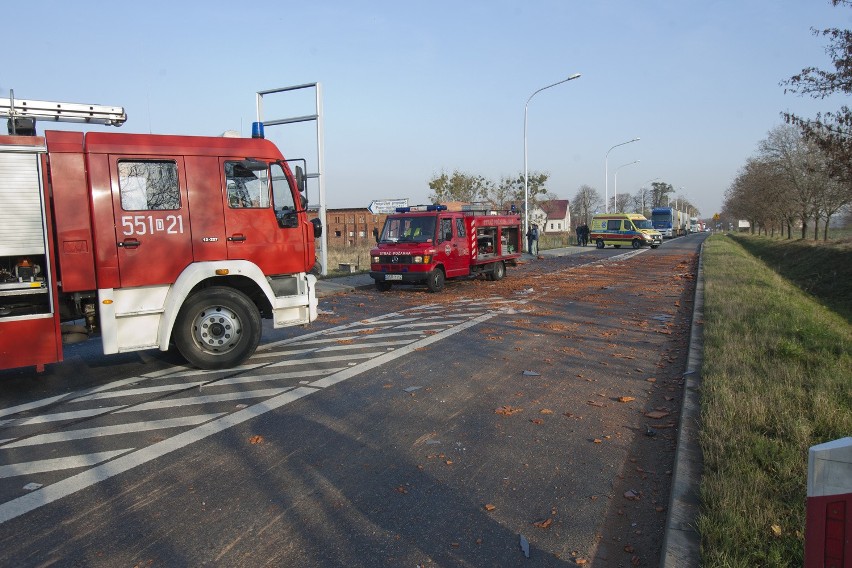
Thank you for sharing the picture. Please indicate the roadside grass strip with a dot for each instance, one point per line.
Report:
(777, 379)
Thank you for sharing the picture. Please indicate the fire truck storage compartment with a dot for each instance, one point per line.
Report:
(24, 268)
(486, 241)
(509, 240)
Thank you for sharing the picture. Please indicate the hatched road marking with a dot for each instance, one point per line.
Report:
(30, 444)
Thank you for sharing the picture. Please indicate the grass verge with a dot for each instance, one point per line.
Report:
(776, 380)
(823, 269)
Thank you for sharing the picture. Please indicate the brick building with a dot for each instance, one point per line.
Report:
(351, 226)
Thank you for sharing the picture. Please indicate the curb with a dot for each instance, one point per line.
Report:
(682, 543)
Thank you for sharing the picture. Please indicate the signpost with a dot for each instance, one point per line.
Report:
(386, 206)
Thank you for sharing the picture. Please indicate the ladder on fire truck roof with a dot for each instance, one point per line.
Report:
(59, 112)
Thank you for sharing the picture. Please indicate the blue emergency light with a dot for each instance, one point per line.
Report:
(421, 208)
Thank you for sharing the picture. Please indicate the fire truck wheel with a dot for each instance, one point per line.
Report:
(435, 283)
(637, 244)
(499, 271)
(599, 244)
(217, 328)
(383, 286)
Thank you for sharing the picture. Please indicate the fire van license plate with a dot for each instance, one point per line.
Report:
(393, 276)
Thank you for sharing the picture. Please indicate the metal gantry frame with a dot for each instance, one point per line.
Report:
(319, 175)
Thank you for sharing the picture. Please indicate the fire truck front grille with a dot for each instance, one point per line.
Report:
(395, 259)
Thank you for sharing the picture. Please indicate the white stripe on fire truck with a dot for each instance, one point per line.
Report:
(99, 431)
(56, 464)
(204, 399)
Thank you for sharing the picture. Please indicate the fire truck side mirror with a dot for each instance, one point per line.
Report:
(317, 227)
(301, 181)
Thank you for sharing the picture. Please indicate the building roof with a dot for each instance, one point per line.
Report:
(555, 208)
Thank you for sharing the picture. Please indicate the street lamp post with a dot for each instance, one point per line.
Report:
(606, 173)
(526, 173)
(615, 189)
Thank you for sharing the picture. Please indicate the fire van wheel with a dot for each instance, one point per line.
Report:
(435, 282)
(655, 246)
(383, 286)
(499, 271)
(599, 243)
(637, 244)
(217, 328)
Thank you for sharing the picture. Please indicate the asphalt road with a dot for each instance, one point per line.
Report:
(401, 429)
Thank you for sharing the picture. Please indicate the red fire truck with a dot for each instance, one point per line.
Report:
(427, 244)
(146, 240)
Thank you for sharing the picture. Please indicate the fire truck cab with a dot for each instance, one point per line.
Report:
(148, 240)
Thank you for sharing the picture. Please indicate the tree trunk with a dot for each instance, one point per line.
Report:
(804, 227)
(816, 228)
(825, 229)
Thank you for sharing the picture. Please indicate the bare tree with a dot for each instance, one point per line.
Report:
(642, 201)
(799, 163)
(586, 202)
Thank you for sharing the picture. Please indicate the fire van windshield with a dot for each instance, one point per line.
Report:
(408, 229)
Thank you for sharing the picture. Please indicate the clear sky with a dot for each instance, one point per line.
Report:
(414, 88)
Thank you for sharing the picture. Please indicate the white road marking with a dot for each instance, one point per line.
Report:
(70, 462)
(283, 353)
(31, 501)
(213, 423)
(366, 345)
(193, 400)
(431, 324)
(30, 405)
(143, 390)
(277, 377)
(330, 359)
(386, 357)
(112, 430)
(56, 417)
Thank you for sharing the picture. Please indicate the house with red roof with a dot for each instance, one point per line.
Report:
(553, 216)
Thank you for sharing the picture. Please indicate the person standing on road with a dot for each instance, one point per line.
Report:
(532, 240)
(584, 229)
(579, 231)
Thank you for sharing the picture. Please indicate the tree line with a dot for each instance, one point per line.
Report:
(509, 191)
(801, 174)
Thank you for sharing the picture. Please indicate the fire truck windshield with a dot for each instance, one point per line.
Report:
(408, 229)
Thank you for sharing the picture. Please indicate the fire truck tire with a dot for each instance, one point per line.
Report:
(499, 271)
(217, 328)
(435, 282)
(383, 286)
(637, 244)
(599, 244)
